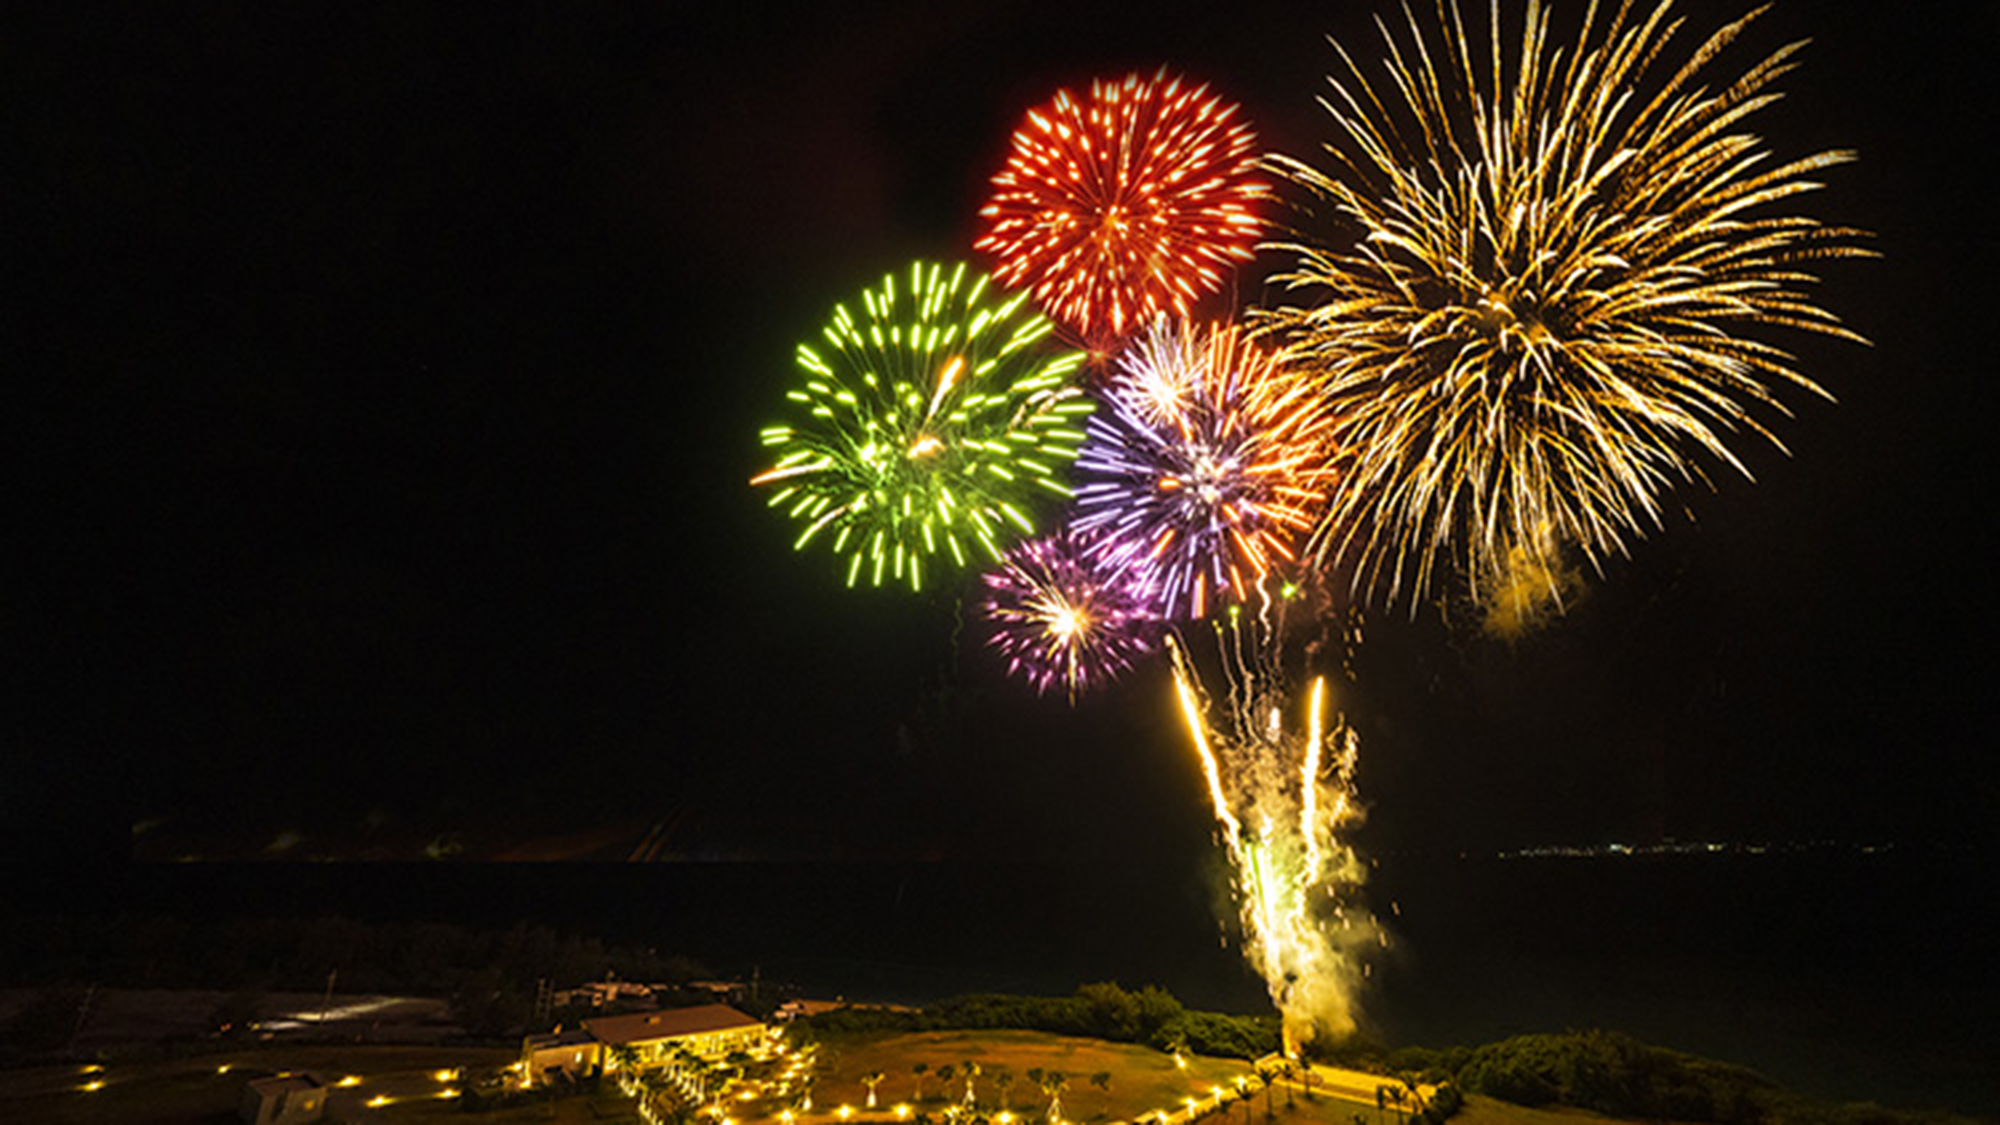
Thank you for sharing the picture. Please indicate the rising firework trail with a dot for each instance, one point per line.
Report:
(1534, 324)
(1281, 786)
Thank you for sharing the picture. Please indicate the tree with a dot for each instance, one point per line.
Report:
(1392, 1097)
(919, 1070)
(1004, 1079)
(1260, 1077)
(871, 1080)
(1412, 1092)
(971, 1072)
(1054, 1082)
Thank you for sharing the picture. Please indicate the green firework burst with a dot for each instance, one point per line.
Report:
(929, 425)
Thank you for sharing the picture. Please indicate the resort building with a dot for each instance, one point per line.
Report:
(560, 1056)
(710, 1030)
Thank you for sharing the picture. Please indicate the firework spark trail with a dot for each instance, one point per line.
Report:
(1132, 202)
(1297, 880)
(936, 422)
(1536, 334)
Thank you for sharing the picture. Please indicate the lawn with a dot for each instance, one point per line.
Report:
(404, 1086)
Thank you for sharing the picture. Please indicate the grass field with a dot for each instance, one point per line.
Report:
(1142, 1079)
(401, 1086)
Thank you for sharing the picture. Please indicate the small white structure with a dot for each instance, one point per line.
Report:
(285, 1099)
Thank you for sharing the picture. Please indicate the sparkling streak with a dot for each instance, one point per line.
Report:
(1191, 711)
(1309, 776)
(1296, 878)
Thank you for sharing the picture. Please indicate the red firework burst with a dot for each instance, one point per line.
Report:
(1132, 203)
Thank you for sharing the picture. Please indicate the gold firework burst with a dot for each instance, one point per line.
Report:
(1536, 334)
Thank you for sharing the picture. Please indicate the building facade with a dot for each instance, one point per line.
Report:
(711, 1031)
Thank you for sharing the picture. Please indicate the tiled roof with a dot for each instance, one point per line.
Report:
(671, 1023)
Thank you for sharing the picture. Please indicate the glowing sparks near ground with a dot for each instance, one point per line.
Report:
(931, 426)
(1208, 459)
(1281, 812)
(1132, 202)
(1067, 615)
(1534, 337)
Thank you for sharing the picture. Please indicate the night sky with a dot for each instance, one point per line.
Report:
(385, 388)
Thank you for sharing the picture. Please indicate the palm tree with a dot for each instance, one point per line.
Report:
(919, 1070)
(944, 1074)
(1413, 1091)
(1392, 1096)
(1003, 1078)
(1261, 1078)
(1054, 1082)
(1265, 1075)
(971, 1072)
(872, 1080)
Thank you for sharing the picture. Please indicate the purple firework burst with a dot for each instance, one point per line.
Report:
(1067, 612)
(1207, 460)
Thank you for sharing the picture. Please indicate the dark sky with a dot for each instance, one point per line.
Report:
(386, 381)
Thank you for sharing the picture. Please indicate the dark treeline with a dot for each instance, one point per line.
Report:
(1619, 1076)
(1151, 1015)
(416, 958)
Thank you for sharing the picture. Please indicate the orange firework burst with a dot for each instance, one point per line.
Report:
(1134, 202)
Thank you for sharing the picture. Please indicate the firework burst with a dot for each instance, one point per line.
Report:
(1535, 335)
(1208, 459)
(931, 425)
(1068, 616)
(1135, 201)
